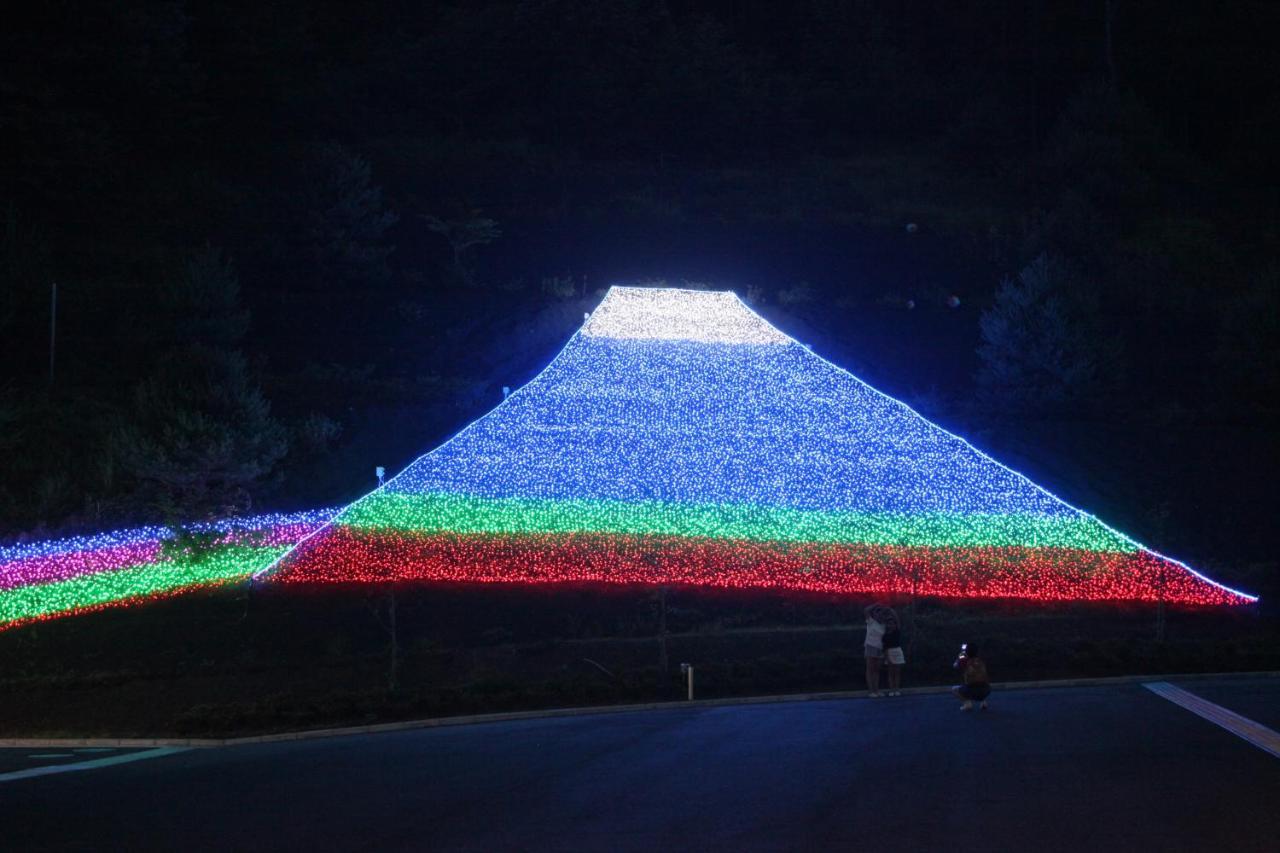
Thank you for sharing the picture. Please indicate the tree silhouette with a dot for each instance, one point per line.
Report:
(463, 235)
(202, 434)
(346, 219)
(1035, 356)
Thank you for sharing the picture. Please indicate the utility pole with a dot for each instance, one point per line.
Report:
(53, 327)
(662, 632)
(1109, 19)
(393, 671)
(1160, 616)
(389, 624)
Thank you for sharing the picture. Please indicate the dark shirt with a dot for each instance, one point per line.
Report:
(975, 670)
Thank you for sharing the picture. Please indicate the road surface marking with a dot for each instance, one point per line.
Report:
(1256, 733)
(89, 765)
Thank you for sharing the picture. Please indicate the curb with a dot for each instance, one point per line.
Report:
(551, 713)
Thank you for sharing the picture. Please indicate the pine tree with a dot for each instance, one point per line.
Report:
(202, 434)
(346, 220)
(1036, 353)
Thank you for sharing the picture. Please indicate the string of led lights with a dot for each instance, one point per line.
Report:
(677, 439)
(40, 580)
(680, 438)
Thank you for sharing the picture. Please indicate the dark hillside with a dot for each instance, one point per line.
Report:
(230, 663)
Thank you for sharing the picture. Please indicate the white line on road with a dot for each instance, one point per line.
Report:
(1256, 733)
(88, 765)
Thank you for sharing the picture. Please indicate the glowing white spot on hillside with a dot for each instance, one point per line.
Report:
(679, 315)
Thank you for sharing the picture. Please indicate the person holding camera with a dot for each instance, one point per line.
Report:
(873, 646)
(977, 684)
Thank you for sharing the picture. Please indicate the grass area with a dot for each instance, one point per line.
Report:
(238, 661)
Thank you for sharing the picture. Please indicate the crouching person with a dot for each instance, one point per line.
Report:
(977, 685)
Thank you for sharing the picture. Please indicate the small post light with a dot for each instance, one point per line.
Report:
(506, 391)
(380, 472)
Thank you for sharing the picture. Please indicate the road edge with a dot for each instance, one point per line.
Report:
(550, 713)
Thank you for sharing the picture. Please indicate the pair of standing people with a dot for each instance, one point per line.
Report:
(883, 649)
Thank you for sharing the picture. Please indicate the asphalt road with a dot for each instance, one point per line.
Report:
(22, 759)
(1080, 769)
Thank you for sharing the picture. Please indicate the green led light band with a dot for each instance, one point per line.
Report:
(88, 591)
(436, 512)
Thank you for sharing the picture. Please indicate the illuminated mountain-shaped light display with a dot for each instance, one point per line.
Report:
(678, 438)
(57, 577)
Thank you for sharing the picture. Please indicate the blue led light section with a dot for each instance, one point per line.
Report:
(717, 424)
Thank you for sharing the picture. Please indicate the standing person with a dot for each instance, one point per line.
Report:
(894, 658)
(873, 647)
(977, 684)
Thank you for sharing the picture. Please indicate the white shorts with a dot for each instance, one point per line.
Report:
(895, 656)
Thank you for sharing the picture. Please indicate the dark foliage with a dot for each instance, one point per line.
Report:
(200, 434)
(1037, 354)
(236, 662)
